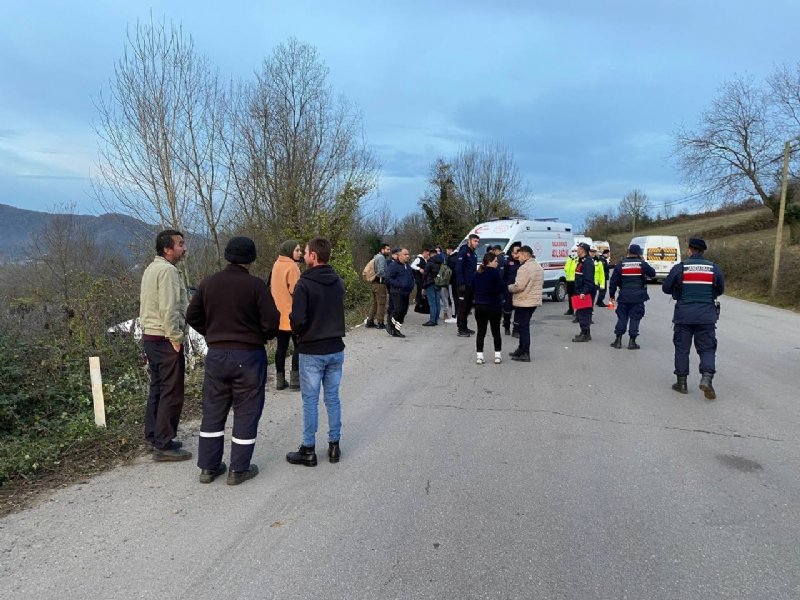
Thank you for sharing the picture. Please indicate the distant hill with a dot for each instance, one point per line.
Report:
(17, 226)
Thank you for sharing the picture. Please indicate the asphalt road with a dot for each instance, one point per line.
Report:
(580, 475)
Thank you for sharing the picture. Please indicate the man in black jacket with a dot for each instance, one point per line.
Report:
(318, 321)
(584, 287)
(237, 315)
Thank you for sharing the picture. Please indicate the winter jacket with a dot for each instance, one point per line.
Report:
(488, 287)
(527, 288)
(466, 265)
(317, 315)
(163, 300)
(695, 284)
(584, 276)
(399, 277)
(283, 278)
(431, 270)
(234, 309)
(630, 278)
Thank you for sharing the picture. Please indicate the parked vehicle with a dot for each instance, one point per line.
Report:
(662, 252)
(549, 239)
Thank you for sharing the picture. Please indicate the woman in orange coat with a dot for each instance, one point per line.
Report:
(285, 274)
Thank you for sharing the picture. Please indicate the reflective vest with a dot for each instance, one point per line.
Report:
(599, 274)
(632, 277)
(569, 268)
(698, 281)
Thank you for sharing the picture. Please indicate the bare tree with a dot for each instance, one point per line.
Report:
(738, 146)
(160, 123)
(488, 180)
(633, 207)
(301, 162)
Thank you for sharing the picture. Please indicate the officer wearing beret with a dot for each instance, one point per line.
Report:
(584, 286)
(695, 285)
(630, 278)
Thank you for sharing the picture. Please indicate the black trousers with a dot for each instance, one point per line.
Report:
(570, 294)
(165, 401)
(584, 319)
(232, 378)
(399, 305)
(522, 322)
(464, 306)
(280, 352)
(486, 315)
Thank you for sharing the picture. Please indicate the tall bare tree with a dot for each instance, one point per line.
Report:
(487, 178)
(633, 207)
(301, 162)
(160, 122)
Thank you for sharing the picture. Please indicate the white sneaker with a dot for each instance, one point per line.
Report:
(451, 320)
(480, 360)
(498, 358)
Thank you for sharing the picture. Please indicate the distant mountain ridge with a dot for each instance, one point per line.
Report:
(18, 225)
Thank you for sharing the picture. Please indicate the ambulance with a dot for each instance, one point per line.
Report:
(662, 252)
(549, 239)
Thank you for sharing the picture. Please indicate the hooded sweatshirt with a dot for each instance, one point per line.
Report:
(283, 278)
(317, 316)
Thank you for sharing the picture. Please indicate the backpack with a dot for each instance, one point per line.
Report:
(369, 274)
(443, 276)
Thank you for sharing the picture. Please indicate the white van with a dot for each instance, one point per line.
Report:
(549, 239)
(662, 252)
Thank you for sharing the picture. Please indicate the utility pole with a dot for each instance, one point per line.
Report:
(779, 234)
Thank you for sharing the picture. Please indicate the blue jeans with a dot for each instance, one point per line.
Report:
(432, 294)
(321, 370)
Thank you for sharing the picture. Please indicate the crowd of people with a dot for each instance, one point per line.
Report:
(238, 313)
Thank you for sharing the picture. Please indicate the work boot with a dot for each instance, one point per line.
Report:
(521, 357)
(507, 330)
(632, 345)
(705, 385)
(294, 380)
(617, 343)
(280, 381)
(237, 477)
(305, 455)
(333, 452)
(680, 385)
(170, 454)
(397, 333)
(463, 333)
(209, 475)
(582, 337)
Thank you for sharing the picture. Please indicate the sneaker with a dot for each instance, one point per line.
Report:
(470, 331)
(305, 455)
(396, 333)
(451, 320)
(171, 454)
(498, 358)
(464, 333)
(209, 475)
(380, 325)
(173, 445)
(237, 477)
(428, 324)
(480, 361)
(524, 357)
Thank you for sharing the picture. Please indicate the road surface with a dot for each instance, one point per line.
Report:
(580, 475)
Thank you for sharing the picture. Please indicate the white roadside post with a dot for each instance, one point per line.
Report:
(97, 391)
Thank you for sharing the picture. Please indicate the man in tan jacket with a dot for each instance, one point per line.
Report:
(526, 295)
(162, 313)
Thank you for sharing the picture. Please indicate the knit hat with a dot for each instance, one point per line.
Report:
(635, 250)
(287, 248)
(697, 244)
(240, 251)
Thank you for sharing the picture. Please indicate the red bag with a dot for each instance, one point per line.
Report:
(578, 304)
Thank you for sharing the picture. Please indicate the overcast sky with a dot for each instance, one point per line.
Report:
(585, 94)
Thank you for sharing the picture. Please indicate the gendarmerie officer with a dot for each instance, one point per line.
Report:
(584, 286)
(630, 277)
(695, 284)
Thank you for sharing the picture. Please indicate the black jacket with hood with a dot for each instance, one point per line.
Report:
(317, 315)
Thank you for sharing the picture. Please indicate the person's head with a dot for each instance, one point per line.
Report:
(497, 249)
(697, 246)
(437, 250)
(513, 251)
(606, 253)
(449, 250)
(525, 254)
(403, 255)
(573, 252)
(291, 249)
(318, 252)
(593, 251)
(583, 249)
(426, 253)
(634, 250)
(395, 252)
(386, 250)
(240, 251)
(170, 245)
(473, 240)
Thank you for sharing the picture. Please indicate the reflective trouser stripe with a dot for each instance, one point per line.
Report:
(243, 442)
(212, 434)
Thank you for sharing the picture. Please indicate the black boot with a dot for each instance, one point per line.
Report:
(280, 381)
(632, 345)
(370, 324)
(333, 452)
(294, 380)
(305, 455)
(507, 330)
(680, 385)
(583, 336)
(617, 343)
(705, 385)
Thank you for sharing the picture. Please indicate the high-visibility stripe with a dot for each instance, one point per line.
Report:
(698, 277)
(236, 440)
(632, 270)
(212, 434)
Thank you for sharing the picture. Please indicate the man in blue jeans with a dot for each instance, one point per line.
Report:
(317, 319)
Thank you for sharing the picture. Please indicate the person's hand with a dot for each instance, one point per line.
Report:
(582, 295)
(176, 346)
